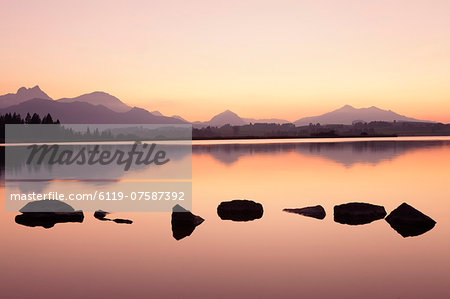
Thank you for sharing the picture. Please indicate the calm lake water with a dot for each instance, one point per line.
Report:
(280, 255)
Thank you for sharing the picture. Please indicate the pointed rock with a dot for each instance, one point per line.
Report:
(409, 222)
(183, 222)
(317, 212)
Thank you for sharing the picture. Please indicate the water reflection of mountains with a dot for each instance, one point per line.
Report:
(18, 169)
(35, 178)
(345, 153)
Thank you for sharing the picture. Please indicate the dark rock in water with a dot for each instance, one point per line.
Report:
(356, 213)
(317, 212)
(183, 222)
(47, 213)
(240, 210)
(48, 219)
(100, 215)
(409, 222)
(118, 220)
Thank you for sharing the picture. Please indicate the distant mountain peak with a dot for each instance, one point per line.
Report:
(227, 113)
(157, 113)
(179, 117)
(346, 108)
(79, 112)
(138, 109)
(23, 94)
(100, 98)
(33, 91)
(23, 89)
(99, 93)
(347, 115)
(226, 117)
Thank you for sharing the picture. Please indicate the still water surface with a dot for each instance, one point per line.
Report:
(281, 254)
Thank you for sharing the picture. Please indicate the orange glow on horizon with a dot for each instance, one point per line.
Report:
(260, 59)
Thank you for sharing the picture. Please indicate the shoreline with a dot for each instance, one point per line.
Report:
(312, 139)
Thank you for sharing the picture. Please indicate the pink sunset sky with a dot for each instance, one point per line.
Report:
(258, 58)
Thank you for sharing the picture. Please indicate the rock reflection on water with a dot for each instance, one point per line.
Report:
(344, 153)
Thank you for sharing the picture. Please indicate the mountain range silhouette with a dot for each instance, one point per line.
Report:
(100, 107)
(348, 115)
(92, 108)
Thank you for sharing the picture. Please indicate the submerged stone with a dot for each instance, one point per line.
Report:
(317, 212)
(357, 213)
(100, 215)
(125, 221)
(240, 210)
(409, 222)
(183, 222)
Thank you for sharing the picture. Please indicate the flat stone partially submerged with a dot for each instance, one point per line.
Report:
(317, 212)
(409, 222)
(101, 215)
(125, 221)
(184, 222)
(357, 213)
(240, 210)
(47, 213)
